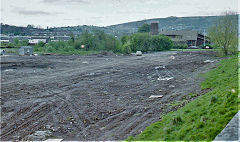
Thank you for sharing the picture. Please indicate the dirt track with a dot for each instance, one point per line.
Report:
(94, 97)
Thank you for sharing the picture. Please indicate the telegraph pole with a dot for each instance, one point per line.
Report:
(204, 38)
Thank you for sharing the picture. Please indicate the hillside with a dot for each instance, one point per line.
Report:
(199, 23)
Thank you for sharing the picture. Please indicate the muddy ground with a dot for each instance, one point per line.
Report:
(95, 97)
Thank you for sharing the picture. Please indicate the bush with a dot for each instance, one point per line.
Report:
(77, 44)
(126, 48)
(99, 41)
(146, 42)
(180, 46)
(140, 41)
(160, 43)
(40, 44)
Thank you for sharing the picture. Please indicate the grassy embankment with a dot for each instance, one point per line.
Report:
(11, 50)
(206, 116)
(66, 52)
(63, 52)
(173, 49)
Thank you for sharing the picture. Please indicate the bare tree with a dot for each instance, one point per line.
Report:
(224, 34)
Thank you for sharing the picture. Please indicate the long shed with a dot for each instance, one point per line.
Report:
(26, 50)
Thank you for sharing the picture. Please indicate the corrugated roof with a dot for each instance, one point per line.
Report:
(186, 35)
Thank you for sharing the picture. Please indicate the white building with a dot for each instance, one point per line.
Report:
(36, 41)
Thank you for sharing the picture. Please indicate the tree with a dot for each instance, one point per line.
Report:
(140, 41)
(30, 26)
(72, 37)
(40, 44)
(161, 42)
(16, 42)
(144, 28)
(88, 40)
(224, 34)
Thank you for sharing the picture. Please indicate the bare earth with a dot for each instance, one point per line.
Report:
(95, 97)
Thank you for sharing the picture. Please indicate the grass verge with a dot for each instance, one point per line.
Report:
(192, 49)
(73, 52)
(11, 50)
(204, 117)
(63, 52)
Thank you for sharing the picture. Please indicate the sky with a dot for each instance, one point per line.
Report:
(56, 13)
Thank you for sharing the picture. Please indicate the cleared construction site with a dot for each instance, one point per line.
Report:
(95, 97)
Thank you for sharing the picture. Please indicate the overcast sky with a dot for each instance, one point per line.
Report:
(105, 12)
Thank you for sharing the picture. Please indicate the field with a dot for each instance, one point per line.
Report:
(96, 97)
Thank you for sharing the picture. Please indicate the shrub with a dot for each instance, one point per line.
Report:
(180, 46)
(146, 42)
(77, 44)
(126, 48)
(177, 120)
(40, 44)
(160, 43)
(140, 41)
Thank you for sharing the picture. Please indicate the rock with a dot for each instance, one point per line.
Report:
(172, 57)
(233, 91)
(85, 62)
(159, 67)
(167, 78)
(156, 96)
(171, 86)
(139, 53)
(53, 140)
(208, 61)
(231, 131)
(39, 135)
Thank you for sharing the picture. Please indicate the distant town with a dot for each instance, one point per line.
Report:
(189, 30)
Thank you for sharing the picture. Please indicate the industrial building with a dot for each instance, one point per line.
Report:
(154, 28)
(191, 38)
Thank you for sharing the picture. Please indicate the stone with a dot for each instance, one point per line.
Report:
(139, 53)
(231, 131)
(39, 135)
(156, 96)
(163, 79)
(85, 62)
(208, 61)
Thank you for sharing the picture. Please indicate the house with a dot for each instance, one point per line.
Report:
(26, 50)
(20, 38)
(36, 41)
(4, 39)
(60, 38)
(191, 38)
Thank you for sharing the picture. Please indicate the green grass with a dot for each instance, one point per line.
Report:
(64, 52)
(207, 115)
(177, 103)
(73, 52)
(192, 49)
(11, 50)
(63, 49)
